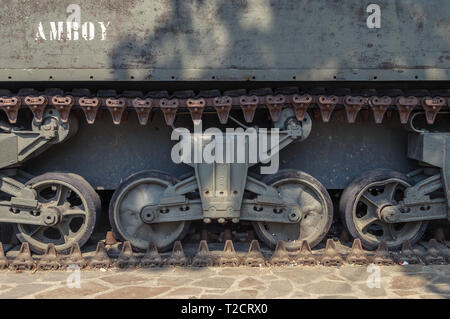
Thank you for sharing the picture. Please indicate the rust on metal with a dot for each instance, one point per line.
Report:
(330, 256)
(101, 258)
(254, 256)
(405, 106)
(432, 106)
(301, 103)
(37, 105)
(407, 254)
(357, 254)
(74, 258)
(110, 239)
(23, 260)
(203, 257)
(177, 258)
(382, 256)
(196, 107)
(223, 106)
(116, 107)
(90, 107)
(327, 105)
(49, 261)
(229, 257)
(11, 106)
(169, 108)
(143, 109)
(275, 105)
(379, 107)
(248, 106)
(126, 258)
(63, 104)
(280, 256)
(353, 105)
(305, 256)
(151, 258)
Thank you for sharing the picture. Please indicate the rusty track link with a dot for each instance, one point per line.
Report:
(379, 103)
(331, 256)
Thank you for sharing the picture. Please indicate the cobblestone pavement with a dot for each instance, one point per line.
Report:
(410, 281)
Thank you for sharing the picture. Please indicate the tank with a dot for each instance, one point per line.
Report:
(183, 118)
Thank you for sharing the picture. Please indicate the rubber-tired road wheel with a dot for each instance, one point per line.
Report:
(75, 199)
(299, 188)
(138, 191)
(361, 202)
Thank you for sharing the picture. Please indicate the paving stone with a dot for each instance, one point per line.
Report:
(249, 282)
(214, 282)
(334, 277)
(404, 293)
(299, 276)
(354, 273)
(278, 288)
(434, 297)
(134, 292)
(183, 292)
(23, 291)
(87, 289)
(410, 282)
(338, 297)
(328, 287)
(123, 279)
(174, 281)
(372, 292)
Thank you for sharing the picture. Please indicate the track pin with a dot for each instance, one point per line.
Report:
(37, 106)
(151, 258)
(275, 105)
(49, 260)
(101, 258)
(23, 260)
(433, 255)
(327, 105)
(203, 257)
(143, 109)
(301, 104)
(382, 256)
(126, 258)
(229, 257)
(280, 256)
(3, 260)
(305, 257)
(178, 258)
(223, 106)
(248, 106)
(357, 255)
(90, 108)
(254, 257)
(331, 256)
(75, 258)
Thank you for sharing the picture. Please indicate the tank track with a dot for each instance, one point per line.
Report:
(121, 256)
(320, 101)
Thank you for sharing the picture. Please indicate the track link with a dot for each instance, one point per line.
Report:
(334, 255)
(323, 103)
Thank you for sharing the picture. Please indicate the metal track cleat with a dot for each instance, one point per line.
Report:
(407, 255)
(382, 256)
(433, 256)
(23, 261)
(305, 256)
(101, 258)
(229, 257)
(151, 258)
(357, 255)
(280, 256)
(49, 260)
(126, 258)
(331, 256)
(254, 257)
(75, 258)
(203, 257)
(178, 258)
